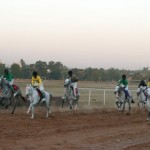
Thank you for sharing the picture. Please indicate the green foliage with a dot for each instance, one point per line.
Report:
(2, 67)
(57, 71)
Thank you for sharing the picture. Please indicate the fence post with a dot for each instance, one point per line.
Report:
(104, 97)
(89, 97)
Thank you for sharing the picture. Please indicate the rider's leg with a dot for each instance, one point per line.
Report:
(42, 96)
(64, 97)
(74, 85)
(11, 87)
(128, 94)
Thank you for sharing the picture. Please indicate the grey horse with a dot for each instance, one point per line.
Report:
(7, 97)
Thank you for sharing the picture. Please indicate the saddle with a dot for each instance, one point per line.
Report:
(15, 87)
(41, 94)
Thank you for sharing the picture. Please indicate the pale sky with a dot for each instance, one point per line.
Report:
(78, 33)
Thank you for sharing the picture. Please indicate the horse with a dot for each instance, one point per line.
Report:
(7, 96)
(148, 104)
(142, 96)
(69, 95)
(122, 98)
(34, 98)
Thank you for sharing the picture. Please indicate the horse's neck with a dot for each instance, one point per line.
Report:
(33, 90)
(69, 90)
(121, 92)
(6, 90)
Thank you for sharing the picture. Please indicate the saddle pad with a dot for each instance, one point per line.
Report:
(15, 87)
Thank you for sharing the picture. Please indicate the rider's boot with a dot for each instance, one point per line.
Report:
(15, 94)
(132, 101)
(42, 97)
(75, 97)
(43, 100)
(64, 97)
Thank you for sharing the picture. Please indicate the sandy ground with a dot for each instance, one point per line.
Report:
(88, 129)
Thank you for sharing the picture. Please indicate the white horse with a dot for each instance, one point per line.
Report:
(69, 95)
(148, 103)
(142, 96)
(7, 96)
(34, 97)
(122, 99)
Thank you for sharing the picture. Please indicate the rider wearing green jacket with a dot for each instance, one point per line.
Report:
(8, 76)
(10, 79)
(124, 82)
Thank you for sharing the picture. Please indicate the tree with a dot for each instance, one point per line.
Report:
(15, 69)
(2, 67)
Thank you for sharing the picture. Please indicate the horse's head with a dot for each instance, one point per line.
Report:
(141, 89)
(118, 88)
(28, 91)
(67, 82)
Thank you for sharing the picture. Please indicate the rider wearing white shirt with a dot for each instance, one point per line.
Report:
(74, 81)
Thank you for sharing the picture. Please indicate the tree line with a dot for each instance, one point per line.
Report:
(57, 71)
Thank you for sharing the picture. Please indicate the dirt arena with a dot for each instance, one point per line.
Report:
(86, 129)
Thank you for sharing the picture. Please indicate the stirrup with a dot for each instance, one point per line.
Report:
(15, 94)
(63, 97)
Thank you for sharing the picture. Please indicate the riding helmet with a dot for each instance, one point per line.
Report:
(123, 76)
(34, 73)
(70, 73)
(6, 71)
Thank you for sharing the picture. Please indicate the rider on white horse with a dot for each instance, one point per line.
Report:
(37, 82)
(124, 82)
(144, 87)
(73, 83)
(9, 80)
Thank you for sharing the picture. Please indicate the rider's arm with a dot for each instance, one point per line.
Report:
(36, 81)
(74, 79)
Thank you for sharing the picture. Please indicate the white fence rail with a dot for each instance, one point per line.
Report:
(103, 92)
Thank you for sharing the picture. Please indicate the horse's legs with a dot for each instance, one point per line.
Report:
(32, 112)
(129, 103)
(47, 105)
(71, 101)
(123, 106)
(62, 105)
(28, 111)
(31, 107)
(76, 104)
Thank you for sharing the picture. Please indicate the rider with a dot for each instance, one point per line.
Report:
(37, 82)
(148, 83)
(74, 81)
(124, 82)
(9, 79)
(144, 85)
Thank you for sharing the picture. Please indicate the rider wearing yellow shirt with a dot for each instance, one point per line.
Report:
(148, 83)
(37, 82)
